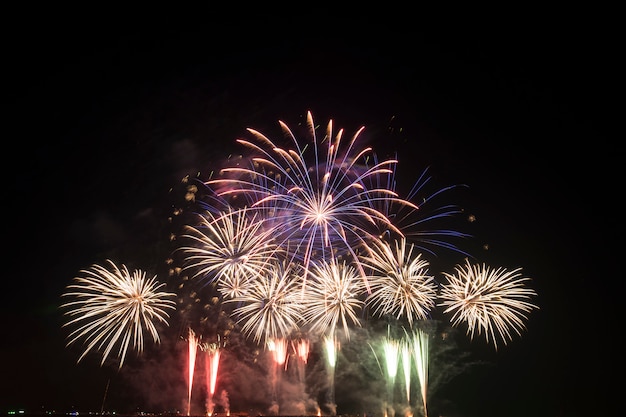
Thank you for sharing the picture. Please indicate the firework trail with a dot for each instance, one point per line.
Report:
(331, 346)
(400, 283)
(193, 350)
(230, 247)
(391, 349)
(302, 348)
(112, 308)
(278, 349)
(406, 359)
(488, 300)
(402, 353)
(417, 225)
(321, 204)
(212, 361)
(419, 343)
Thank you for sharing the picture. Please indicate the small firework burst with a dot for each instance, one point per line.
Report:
(400, 282)
(488, 300)
(112, 308)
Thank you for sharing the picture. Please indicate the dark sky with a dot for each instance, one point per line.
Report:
(106, 115)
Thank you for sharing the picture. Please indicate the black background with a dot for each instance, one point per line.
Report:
(107, 111)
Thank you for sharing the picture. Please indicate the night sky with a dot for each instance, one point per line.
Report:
(107, 115)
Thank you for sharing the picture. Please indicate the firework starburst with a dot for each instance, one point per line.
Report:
(400, 283)
(112, 308)
(230, 248)
(489, 300)
(270, 307)
(320, 202)
(332, 298)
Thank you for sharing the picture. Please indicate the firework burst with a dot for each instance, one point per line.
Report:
(321, 206)
(400, 283)
(270, 307)
(332, 298)
(493, 301)
(230, 248)
(113, 308)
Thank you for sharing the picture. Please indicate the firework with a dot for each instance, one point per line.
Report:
(301, 348)
(270, 308)
(113, 308)
(405, 357)
(211, 362)
(332, 298)
(419, 226)
(331, 347)
(191, 366)
(419, 342)
(230, 248)
(278, 348)
(298, 241)
(320, 204)
(493, 301)
(400, 284)
(391, 347)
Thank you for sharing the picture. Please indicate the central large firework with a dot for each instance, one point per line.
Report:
(316, 197)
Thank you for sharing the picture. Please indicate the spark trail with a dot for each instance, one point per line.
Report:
(193, 350)
(212, 362)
